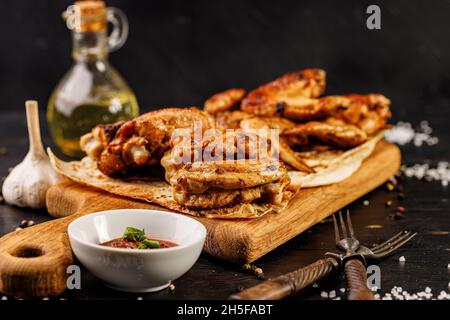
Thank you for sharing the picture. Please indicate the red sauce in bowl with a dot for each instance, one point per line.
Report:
(127, 244)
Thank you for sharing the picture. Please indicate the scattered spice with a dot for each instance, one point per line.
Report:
(403, 133)
(18, 229)
(400, 209)
(26, 223)
(246, 267)
(374, 226)
(254, 269)
(424, 172)
(315, 285)
(390, 186)
(388, 203)
(366, 203)
(258, 272)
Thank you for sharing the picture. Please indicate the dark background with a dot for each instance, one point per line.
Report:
(180, 52)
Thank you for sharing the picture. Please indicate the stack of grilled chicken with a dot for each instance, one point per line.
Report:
(209, 166)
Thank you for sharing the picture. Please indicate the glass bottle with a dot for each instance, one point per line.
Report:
(92, 91)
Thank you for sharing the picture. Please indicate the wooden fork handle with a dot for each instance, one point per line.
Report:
(356, 276)
(290, 283)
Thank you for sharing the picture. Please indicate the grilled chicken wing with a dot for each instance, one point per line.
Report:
(286, 154)
(368, 112)
(219, 198)
(224, 101)
(285, 95)
(222, 169)
(139, 142)
(231, 119)
(332, 131)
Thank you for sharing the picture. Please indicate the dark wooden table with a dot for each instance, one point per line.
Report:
(427, 205)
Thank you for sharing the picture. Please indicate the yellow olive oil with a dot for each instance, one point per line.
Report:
(68, 124)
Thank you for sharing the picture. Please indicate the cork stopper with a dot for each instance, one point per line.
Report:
(86, 16)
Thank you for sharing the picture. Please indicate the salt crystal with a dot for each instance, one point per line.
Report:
(4, 298)
(402, 259)
(403, 133)
(332, 294)
(139, 298)
(338, 298)
(315, 285)
(427, 289)
(448, 266)
(374, 288)
(377, 296)
(324, 294)
(343, 289)
(366, 203)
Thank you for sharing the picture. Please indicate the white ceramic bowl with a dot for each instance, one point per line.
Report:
(135, 270)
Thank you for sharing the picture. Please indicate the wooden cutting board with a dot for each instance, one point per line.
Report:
(33, 261)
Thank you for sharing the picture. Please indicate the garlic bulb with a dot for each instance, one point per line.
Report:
(28, 182)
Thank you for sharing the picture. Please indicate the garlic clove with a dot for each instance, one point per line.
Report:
(27, 184)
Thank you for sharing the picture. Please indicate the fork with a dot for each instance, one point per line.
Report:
(354, 259)
(288, 284)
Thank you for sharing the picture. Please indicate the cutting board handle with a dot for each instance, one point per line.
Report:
(34, 261)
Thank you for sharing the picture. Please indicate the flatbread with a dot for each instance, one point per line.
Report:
(332, 166)
(154, 191)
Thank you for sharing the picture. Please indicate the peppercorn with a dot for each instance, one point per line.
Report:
(401, 209)
(246, 267)
(390, 186)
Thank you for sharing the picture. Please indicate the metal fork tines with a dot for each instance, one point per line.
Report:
(387, 247)
(349, 243)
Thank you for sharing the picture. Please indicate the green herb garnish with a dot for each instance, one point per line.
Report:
(136, 235)
(133, 234)
(149, 244)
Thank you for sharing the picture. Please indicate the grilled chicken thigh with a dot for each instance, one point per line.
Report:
(139, 142)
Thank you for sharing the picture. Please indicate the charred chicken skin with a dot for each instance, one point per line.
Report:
(224, 101)
(292, 96)
(332, 131)
(368, 112)
(140, 142)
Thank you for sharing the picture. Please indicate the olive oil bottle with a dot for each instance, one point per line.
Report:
(92, 91)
